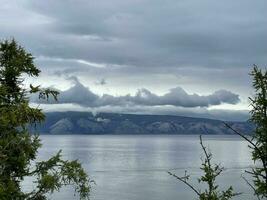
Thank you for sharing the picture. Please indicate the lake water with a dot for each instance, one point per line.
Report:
(127, 167)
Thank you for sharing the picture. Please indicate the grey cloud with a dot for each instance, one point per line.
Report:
(173, 33)
(176, 97)
(220, 114)
(79, 94)
(101, 82)
(150, 33)
(206, 44)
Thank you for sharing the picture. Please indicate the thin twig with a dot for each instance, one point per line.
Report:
(250, 142)
(185, 182)
(253, 188)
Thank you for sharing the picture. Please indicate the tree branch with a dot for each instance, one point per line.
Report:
(185, 182)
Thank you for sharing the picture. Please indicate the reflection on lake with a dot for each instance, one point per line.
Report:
(127, 167)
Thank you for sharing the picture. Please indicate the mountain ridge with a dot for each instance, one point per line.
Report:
(73, 122)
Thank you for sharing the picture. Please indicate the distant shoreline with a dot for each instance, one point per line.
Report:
(86, 123)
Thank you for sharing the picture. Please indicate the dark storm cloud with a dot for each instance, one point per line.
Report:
(81, 95)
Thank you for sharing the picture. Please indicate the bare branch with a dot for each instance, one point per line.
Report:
(183, 179)
(252, 187)
(250, 142)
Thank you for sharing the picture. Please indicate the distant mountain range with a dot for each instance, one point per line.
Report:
(110, 123)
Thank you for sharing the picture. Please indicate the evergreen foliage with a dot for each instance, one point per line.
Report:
(259, 118)
(18, 147)
(258, 143)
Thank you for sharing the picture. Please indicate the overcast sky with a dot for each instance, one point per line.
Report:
(179, 57)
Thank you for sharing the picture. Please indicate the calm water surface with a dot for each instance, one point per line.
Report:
(135, 167)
